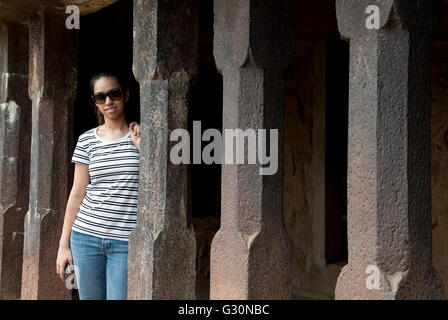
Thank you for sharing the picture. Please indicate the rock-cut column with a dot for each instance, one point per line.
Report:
(250, 254)
(52, 89)
(15, 137)
(389, 186)
(162, 247)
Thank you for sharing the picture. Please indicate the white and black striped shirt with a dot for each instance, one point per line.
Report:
(109, 208)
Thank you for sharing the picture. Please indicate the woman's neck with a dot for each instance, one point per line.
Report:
(115, 125)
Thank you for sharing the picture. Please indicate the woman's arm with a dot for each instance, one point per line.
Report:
(80, 182)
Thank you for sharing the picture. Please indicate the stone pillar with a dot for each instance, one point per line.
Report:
(250, 254)
(15, 139)
(52, 88)
(389, 189)
(162, 247)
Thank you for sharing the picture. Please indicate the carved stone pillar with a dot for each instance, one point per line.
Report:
(162, 247)
(15, 137)
(250, 254)
(52, 88)
(389, 189)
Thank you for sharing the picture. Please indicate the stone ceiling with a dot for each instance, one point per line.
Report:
(18, 11)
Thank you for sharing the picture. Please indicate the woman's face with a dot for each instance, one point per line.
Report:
(110, 109)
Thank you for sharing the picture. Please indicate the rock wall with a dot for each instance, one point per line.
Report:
(439, 158)
(297, 173)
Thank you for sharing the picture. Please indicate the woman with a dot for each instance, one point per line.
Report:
(102, 206)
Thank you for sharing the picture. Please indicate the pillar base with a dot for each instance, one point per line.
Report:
(421, 284)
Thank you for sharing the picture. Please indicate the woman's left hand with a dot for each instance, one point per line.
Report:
(134, 130)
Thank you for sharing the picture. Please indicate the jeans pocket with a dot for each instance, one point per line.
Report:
(76, 238)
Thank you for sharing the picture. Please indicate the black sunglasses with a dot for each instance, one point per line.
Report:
(114, 95)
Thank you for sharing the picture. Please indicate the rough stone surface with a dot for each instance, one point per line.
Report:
(439, 158)
(52, 88)
(15, 136)
(19, 11)
(162, 247)
(250, 255)
(389, 200)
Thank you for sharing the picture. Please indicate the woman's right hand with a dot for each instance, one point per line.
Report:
(134, 130)
(64, 258)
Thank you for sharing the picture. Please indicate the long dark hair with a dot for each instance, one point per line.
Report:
(121, 79)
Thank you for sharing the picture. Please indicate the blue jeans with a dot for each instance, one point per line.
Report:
(100, 267)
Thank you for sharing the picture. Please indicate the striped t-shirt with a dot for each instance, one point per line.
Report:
(109, 208)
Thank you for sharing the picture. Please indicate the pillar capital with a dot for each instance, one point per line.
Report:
(50, 43)
(258, 31)
(411, 15)
(163, 44)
